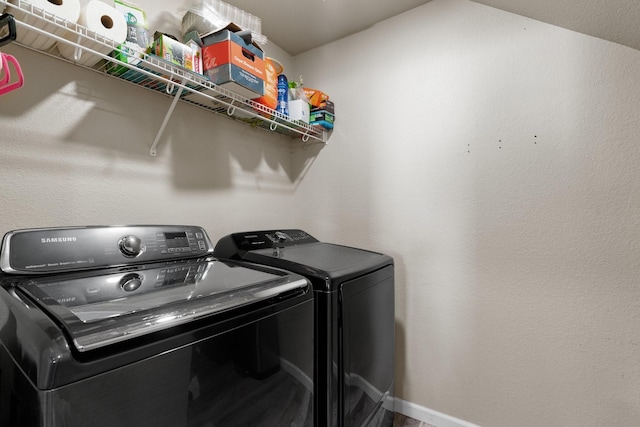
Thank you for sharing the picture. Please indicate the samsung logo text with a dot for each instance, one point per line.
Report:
(58, 239)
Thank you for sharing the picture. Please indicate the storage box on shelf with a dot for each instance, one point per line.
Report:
(234, 62)
(161, 76)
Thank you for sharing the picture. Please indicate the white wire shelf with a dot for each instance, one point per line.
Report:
(155, 74)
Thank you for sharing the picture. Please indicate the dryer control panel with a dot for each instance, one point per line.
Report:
(50, 250)
(235, 245)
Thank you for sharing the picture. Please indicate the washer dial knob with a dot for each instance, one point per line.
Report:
(130, 282)
(130, 246)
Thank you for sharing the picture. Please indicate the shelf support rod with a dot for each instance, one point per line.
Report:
(176, 98)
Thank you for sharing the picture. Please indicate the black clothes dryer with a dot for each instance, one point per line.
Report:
(140, 326)
(354, 320)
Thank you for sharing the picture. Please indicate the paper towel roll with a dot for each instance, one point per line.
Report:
(102, 19)
(69, 10)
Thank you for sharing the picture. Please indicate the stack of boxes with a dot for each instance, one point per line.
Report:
(323, 116)
(322, 109)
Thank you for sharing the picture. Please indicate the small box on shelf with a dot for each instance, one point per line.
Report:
(171, 50)
(192, 40)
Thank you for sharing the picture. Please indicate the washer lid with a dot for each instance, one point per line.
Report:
(297, 251)
(327, 265)
(326, 257)
(109, 307)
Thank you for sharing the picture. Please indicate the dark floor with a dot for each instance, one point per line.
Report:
(403, 421)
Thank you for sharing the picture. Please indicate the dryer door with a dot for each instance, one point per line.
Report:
(368, 324)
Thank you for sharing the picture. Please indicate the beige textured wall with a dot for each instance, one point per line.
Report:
(497, 159)
(494, 157)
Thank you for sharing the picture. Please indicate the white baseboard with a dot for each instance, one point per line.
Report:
(429, 416)
(413, 410)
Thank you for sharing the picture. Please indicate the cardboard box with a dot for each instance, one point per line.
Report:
(171, 50)
(138, 38)
(197, 56)
(193, 41)
(233, 63)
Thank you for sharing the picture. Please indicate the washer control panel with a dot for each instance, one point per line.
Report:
(79, 248)
(235, 245)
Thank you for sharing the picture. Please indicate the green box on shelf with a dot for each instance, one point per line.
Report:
(172, 50)
(138, 39)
